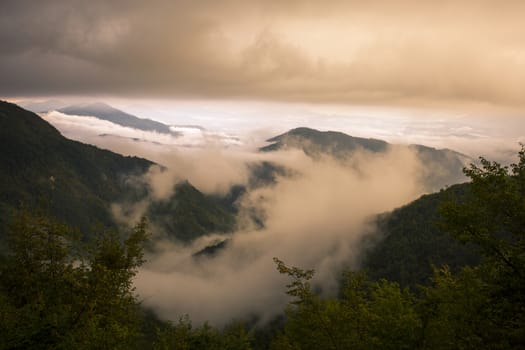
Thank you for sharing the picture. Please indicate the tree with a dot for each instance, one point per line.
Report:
(369, 315)
(491, 215)
(184, 336)
(453, 311)
(55, 292)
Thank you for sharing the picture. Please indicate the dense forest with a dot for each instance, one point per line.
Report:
(78, 182)
(59, 291)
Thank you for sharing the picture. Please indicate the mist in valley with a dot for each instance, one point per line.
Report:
(315, 215)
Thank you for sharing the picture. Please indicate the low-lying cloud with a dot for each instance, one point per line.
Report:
(315, 216)
(202, 157)
(313, 219)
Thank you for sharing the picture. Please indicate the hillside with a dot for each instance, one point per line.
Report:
(77, 182)
(39, 164)
(409, 242)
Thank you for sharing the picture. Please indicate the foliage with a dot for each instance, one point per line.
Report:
(369, 315)
(183, 336)
(79, 182)
(453, 310)
(53, 295)
(411, 242)
(492, 216)
(189, 214)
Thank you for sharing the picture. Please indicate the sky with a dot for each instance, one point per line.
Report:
(408, 52)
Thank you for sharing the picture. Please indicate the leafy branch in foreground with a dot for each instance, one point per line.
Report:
(369, 315)
(56, 292)
(491, 215)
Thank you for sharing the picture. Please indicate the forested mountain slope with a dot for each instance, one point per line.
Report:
(77, 183)
(410, 241)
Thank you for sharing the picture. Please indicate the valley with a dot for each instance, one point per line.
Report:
(86, 186)
(319, 199)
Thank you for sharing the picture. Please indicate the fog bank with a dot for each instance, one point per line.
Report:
(315, 219)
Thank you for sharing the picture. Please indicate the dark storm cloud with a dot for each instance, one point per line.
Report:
(338, 51)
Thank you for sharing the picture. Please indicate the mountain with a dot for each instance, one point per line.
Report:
(78, 183)
(42, 106)
(38, 163)
(443, 167)
(409, 242)
(106, 112)
(189, 214)
(314, 142)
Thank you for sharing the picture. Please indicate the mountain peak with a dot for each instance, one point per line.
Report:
(42, 106)
(94, 105)
(445, 166)
(313, 141)
(104, 111)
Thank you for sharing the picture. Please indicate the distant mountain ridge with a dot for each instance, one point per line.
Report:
(445, 166)
(42, 106)
(106, 112)
(313, 141)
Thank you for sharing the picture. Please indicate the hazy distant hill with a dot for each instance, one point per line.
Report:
(106, 112)
(313, 142)
(80, 181)
(444, 166)
(42, 106)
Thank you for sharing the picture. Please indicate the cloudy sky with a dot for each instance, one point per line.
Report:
(374, 52)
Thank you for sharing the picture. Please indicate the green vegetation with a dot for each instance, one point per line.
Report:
(189, 214)
(368, 315)
(57, 292)
(78, 182)
(184, 336)
(411, 241)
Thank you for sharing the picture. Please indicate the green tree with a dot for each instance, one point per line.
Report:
(491, 215)
(369, 315)
(56, 293)
(184, 336)
(454, 310)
